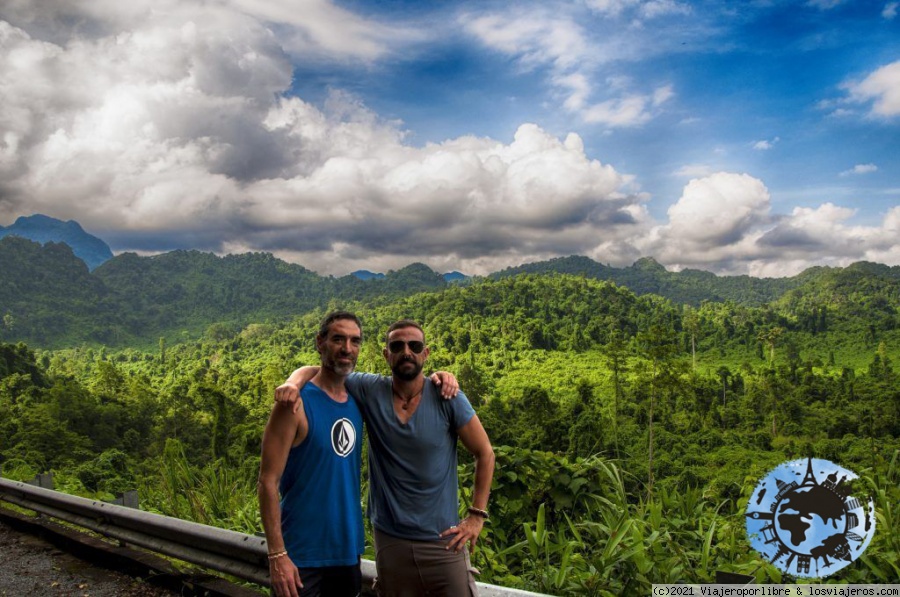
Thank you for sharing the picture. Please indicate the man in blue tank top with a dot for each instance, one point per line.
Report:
(413, 492)
(311, 457)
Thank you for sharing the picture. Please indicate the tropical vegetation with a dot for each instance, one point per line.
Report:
(630, 428)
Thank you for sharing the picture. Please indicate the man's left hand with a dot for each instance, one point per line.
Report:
(446, 381)
(467, 532)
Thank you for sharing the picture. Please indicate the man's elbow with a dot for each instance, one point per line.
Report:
(485, 456)
(266, 486)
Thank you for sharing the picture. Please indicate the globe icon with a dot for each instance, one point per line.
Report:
(804, 518)
(807, 517)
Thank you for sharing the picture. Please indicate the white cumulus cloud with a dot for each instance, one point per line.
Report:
(727, 219)
(881, 88)
(717, 210)
(175, 132)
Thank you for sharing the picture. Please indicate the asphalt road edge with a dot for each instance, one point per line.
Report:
(134, 562)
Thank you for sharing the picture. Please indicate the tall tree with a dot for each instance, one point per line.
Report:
(617, 362)
(658, 346)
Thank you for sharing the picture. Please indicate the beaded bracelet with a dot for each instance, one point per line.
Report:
(479, 512)
(277, 554)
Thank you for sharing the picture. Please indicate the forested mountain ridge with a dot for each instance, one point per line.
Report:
(689, 286)
(46, 292)
(863, 286)
(181, 288)
(48, 298)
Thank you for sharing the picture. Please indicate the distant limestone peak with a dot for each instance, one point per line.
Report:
(414, 269)
(44, 229)
(455, 276)
(364, 274)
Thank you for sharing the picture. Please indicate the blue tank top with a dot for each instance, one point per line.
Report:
(321, 516)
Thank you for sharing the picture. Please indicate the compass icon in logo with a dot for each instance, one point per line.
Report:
(804, 518)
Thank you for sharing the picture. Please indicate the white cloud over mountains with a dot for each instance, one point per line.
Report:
(162, 125)
(726, 219)
(175, 133)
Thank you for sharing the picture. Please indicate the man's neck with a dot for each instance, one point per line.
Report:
(405, 388)
(331, 383)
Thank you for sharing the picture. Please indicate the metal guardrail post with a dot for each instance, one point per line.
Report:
(44, 480)
(129, 499)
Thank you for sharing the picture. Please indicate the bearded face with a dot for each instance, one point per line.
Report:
(339, 350)
(406, 353)
(407, 368)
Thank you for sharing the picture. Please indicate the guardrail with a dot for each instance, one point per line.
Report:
(228, 552)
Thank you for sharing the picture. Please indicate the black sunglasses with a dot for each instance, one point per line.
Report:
(397, 346)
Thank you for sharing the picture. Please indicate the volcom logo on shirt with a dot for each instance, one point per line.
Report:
(343, 437)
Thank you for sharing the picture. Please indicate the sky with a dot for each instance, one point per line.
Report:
(759, 137)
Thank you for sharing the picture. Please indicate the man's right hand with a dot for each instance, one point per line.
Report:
(289, 393)
(285, 577)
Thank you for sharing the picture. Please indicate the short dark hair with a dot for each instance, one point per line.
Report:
(335, 316)
(403, 323)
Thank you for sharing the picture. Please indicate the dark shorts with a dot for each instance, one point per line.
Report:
(331, 581)
(413, 568)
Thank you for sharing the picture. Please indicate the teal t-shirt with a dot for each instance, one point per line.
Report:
(321, 514)
(413, 485)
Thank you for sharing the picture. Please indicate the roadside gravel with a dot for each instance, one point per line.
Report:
(31, 566)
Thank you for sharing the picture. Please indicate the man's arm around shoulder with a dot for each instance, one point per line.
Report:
(289, 391)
